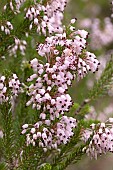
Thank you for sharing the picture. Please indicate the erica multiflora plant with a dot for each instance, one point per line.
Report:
(43, 128)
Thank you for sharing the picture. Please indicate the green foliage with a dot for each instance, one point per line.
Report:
(101, 87)
(8, 142)
(2, 166)
(75, 155)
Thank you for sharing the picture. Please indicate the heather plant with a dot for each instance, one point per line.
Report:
(41, 126)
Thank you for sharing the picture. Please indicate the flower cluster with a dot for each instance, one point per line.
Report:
(47, 92)
(14, 84)
(70, 52)
(20, 45)
(66, 59)
(3, 89)
(99, 36)
(6, 84)
(15, 5)
(7, 28)
(51, 135)
(53, 78)
(102, 138)
(47, 17)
